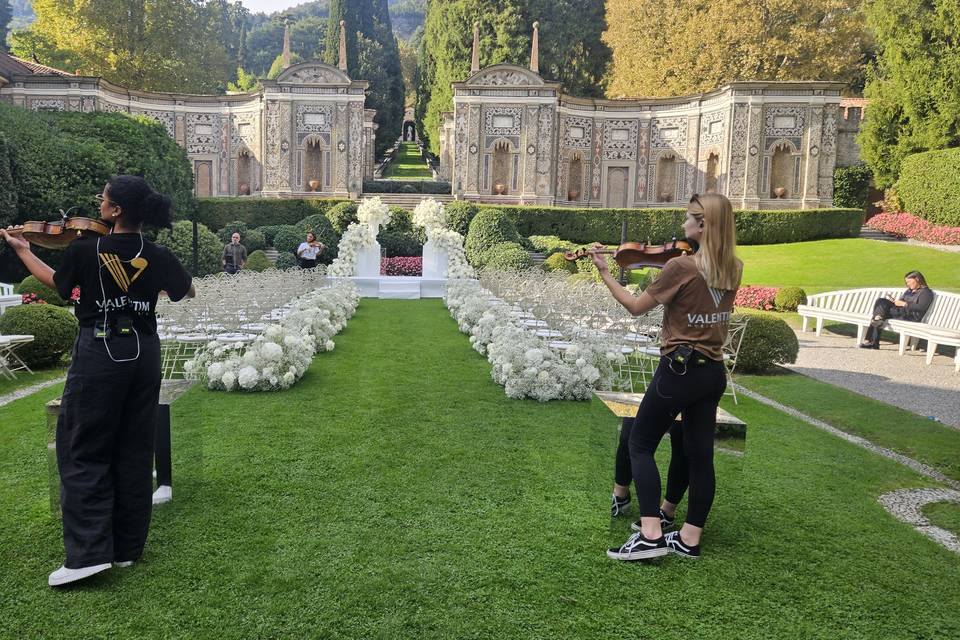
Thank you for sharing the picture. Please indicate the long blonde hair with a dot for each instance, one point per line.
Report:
(716, 259)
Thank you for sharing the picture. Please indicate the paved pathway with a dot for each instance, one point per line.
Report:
(23, 393)
(903, 381)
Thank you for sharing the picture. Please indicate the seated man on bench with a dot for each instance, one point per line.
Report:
(912, 306)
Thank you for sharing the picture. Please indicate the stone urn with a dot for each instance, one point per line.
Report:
(499, 189)
(780, 192)
(244, 189)
(573, 194)
(314, 185)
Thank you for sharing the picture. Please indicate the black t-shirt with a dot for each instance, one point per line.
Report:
(119, 280)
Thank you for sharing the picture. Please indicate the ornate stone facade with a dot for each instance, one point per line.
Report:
(308, 124)
(742, 140)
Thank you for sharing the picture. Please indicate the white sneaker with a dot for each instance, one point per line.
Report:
(164, 493)
(65, 576)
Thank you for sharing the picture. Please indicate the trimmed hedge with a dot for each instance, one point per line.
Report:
(661, 225)
(459, 215)
(342, 215)
(550, 245)
(556, 262)
(258, 212)
(789, 298)
(928, 186)
(180, 241)
(488, 228)
(406, 186)
(30, 284)
(252, 239)
(286, 260)
(287, 238)
(851, 186)
(53, 330)
(507, 256)
(768, 341)
(258, 261)
(400, 238)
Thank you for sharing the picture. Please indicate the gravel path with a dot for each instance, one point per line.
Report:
(23, 393)
(903, 381)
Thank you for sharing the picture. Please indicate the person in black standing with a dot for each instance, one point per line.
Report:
(108, 412)
(911, 306)
(234, 255)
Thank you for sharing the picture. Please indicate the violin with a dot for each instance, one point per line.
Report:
(59, 234)
(636, 255)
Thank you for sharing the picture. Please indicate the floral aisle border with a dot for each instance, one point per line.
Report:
(280, 356)
(526, 365)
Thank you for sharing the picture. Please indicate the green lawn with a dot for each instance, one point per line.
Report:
(25, 379)
(408, 165)
(945, 515)
(396, 492)
(827, 265)
(930, 442)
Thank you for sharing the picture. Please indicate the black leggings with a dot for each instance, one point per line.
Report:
(696, 394)
(885, 309)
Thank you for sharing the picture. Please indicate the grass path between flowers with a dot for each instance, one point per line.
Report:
(396, 492)
(408, 164)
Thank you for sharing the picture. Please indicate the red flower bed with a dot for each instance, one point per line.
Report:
(756, 297)
(906, 225)
(31, 298)
(401, 266)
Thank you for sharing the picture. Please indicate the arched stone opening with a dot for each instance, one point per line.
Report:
(244, 173)
(781, 172)
(667, 178)
(575, 182)
(710, 180)
(313, 165)
(502, 161)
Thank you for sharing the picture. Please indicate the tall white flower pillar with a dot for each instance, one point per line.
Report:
(435, 261)
(368, 259)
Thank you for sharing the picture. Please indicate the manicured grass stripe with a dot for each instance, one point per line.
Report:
(408, 164)
(396, 492)
(848, 263)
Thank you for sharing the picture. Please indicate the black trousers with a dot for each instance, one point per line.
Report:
(885, 309)
(105, 440)
(307, 264)
(695, 393)
(677, 472)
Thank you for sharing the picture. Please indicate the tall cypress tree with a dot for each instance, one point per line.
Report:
(372, 55)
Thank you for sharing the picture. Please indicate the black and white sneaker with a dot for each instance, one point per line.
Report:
(619, 505)
(666, 522)
(679, 547)
(639, 548)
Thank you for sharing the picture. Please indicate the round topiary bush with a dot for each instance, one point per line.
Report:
(269, 231)
(258, 261)
(237, 226)
(459, 215)
(400, 237)
(53, 330)
(556, 262)
(288, 238)
(286, 260)
(586, 270)
(507, 256)
(323, 230)
(488, 228)
(767, 341)
(341, 215)
(31, 285)
(180, 241)
(788, 298)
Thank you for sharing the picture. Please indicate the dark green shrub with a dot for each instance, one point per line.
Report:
(797, 225)
(180, 241)
(928, 186)
(250, 238)
(459, 215)
(31, 285)
(268, 232)
(53, 330)
(768, 341)
(549, 245)
(288, 238)
(342, 215)
(788, 298)
(488, 228)
(507, 256)
(399, 237)
(286, 260)
(258, 212)
(556, 262)
(324, 232)
(586, 270)
(258, 261)
(851, 186)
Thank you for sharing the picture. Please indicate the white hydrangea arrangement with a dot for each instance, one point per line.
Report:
(280, 356)
(523, 363)
(356, 238)
(431, 215)
(374, 213)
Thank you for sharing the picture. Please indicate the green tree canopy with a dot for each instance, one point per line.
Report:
(914, 85)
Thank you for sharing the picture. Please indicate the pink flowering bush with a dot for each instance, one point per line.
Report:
(31, 298)
(756, 297)
(906, 225)
(401, 266)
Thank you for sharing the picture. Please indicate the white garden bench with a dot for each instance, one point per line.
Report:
(940, 325)
(7, 297)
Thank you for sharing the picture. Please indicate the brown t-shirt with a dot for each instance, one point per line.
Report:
(694, 313)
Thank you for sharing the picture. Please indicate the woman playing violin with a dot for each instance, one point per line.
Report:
(697, 292)
(108, 412)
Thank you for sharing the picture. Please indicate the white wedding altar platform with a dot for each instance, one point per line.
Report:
(400, 287)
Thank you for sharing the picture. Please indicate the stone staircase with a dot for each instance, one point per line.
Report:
(536, 258)
(271, 254)
(409, 200)
(872, 234)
